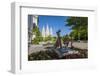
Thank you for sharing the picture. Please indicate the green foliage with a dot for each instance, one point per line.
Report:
(37, 40)
(54, 39)
(36, 31)
(51, 55)
(38, 37)
(48, 38)
(66, 37)
(43, 55)
(79, 27)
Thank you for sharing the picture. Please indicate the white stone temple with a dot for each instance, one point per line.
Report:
(32, 23)
(47, 31)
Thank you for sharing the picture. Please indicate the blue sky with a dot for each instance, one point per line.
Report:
(56, 22)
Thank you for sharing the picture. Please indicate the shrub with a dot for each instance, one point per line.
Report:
(43, 55)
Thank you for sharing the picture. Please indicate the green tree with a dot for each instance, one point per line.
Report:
(78, 26)
(38, 37)
(64, 38)
(48, 38)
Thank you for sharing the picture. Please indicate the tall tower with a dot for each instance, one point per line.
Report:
(51, 31)
(47, 31)
(43, 32)
(32, 22)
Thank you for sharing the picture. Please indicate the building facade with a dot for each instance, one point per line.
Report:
(32, 22)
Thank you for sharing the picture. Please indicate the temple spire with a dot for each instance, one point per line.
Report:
(51, 32)
(47, 31)
(43, 32)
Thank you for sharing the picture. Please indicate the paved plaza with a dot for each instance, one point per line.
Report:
(37, 48)
(80, 45)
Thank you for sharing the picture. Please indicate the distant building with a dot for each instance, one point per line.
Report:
(43, 32)
(47, 31)
(51, 31)
(32, 22)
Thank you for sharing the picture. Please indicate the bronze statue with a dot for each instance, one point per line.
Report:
(58, 42)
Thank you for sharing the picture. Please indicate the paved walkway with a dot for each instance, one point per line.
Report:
(80, 45)
(36, 48)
